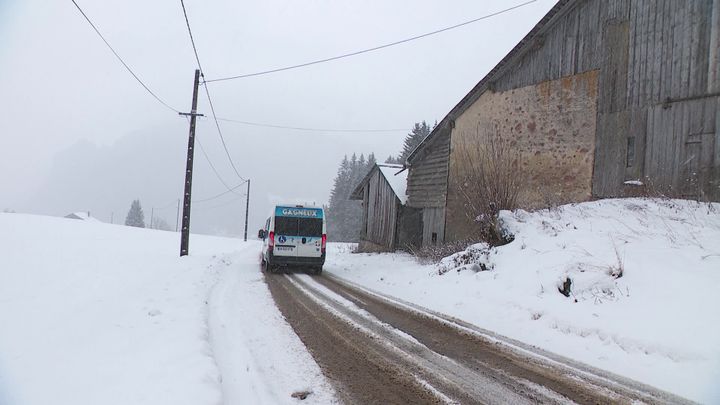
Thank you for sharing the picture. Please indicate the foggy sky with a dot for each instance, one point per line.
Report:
(79, 134)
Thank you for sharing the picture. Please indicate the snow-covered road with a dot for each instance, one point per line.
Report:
(379, 351)
(260, 358)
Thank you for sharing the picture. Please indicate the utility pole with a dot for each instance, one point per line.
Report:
(112, 214)
(152, 214)
(247, 207)
(185, 234)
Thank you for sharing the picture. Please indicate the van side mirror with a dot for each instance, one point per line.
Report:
(261, 234)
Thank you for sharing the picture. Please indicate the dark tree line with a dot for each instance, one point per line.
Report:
(344, 216)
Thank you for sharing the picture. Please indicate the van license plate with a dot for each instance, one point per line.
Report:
(285, 248)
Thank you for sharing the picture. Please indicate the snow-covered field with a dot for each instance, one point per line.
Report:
(658, 323)
(92, 313)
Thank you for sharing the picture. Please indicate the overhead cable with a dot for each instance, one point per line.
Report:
(122, 61)
(207, 92)
(221, 194)
(223, 204)
(375, 48)
(212, 166)
(257, 124)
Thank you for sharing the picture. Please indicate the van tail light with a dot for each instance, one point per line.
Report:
(324, 242)
(271, 241)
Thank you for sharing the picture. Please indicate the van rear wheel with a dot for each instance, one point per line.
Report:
(268, 267)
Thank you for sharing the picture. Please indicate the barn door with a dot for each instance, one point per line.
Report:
(680, 152)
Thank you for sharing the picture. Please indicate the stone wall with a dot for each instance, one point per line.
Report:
(550, 126)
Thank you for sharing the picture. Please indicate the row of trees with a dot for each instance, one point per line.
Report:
(345, 215)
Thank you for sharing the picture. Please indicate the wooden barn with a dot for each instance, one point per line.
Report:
(387, 224)
(601, 99)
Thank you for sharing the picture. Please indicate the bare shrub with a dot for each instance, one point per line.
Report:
(618, 269)
(488, 180)
(434, 253)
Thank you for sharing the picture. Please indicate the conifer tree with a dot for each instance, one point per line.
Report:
(345, 215)
(135, 216)
(413, 139)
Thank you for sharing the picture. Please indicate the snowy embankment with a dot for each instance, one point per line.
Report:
(643, 299)
(92, 313)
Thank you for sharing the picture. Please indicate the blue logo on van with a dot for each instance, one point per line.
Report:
(282, 239)
(298, 212)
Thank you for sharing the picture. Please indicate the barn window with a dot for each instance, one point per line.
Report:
(630, 157)
(434, 237)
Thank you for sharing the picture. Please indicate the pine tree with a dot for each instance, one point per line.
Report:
(135, 216)
(345, 215)
(414, 138)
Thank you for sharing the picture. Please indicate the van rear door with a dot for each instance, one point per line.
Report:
(285, 236)
(310, 237)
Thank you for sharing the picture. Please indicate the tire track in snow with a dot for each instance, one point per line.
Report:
(260, 359)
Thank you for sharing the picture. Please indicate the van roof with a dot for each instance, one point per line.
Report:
(298, 206)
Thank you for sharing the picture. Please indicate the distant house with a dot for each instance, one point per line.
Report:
(83, 216)
(387, 223)
(601, 99)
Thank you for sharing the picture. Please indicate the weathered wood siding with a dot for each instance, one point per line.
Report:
(650, 54)
(433, 226)
(569, 44)
(427, 179)
(656, 108)
(381, 208)
(681, 153)
(656, 111)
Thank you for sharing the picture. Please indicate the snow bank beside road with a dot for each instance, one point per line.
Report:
(92, 313)
(659, 323)
(101, 314)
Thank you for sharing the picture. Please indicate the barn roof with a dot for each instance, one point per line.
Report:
(528, 42)
(393, 174)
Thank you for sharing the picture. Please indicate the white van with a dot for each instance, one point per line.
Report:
(294, 236)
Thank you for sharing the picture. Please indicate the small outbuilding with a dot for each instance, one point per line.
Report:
(81, 215)
(387, 223)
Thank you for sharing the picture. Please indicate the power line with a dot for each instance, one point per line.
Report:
(222, 139)
(257, 124)
(212, 166)
(192, 40)
(207, 92)
(221, 194)
(223, 204)
(121, 60)
(402, 41)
